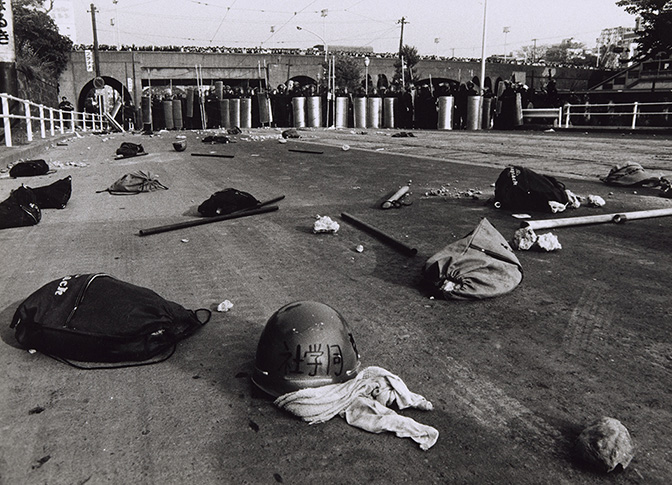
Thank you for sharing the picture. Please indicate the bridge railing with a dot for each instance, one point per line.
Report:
(50, 120)
(633, 115)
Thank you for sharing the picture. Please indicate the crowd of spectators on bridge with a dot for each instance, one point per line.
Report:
(310, 51)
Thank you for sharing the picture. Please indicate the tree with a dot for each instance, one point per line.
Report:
(411, 57)
(347, 73)
(655, 33)
(39, 46)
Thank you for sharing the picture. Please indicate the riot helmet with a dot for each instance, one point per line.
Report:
(304, 344)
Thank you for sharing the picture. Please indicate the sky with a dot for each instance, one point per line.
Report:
(434, 27)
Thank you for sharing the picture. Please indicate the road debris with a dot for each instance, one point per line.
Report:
(325, 224)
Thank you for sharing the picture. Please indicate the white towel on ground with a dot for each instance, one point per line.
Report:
(363, 403)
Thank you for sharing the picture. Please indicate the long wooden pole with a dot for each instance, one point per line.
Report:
(597, 219)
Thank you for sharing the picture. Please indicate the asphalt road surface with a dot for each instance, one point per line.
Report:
(513, 379)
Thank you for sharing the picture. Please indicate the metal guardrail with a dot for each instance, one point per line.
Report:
(613, 113)
(57, 119)
(553, 113)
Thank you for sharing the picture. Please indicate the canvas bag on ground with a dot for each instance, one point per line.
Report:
(20, 209)
(520, 188)
(54, 196)
(480, 265)
(134, 183)
(98, 318)
(227, 201)
(29, 168)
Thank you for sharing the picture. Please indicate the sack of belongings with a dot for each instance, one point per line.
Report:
(20, 209)
(29, 168)
(98, 318)
(227, 201)
(54, 196)
(631, 174)
(480, 265)
(134, 183)
(519, 188)
(128, 149)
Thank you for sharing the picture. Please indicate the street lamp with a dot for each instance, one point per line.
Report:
(485, 13)
(367, 61)
(324, 42)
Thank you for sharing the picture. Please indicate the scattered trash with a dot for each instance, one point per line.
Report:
(521, 216)
(185, 240)
(403, 134)
(345, 148)
(525, 239)
(605, 444)
(282, 140)
(595, 201)
(548, 242)
(325, 224)
(180, 145)
(397, 199)
(224, 306)
(291, 133)
(359, 248)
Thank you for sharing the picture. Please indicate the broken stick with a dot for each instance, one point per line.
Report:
(259, 209)
(407, 250)
(597, 219)
(392, 201)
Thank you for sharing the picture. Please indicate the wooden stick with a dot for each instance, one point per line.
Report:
(219, 155)
(397, 195)
(407, 250)
(306, 151)
(207, 220)
(597, 219)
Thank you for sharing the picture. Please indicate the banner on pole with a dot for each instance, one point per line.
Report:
(7, 53)
(89, 59)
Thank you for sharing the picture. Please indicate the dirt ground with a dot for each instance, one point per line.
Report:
(513, 379)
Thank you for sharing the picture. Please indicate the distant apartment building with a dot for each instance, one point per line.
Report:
(616, 47)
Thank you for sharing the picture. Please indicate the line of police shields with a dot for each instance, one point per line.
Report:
(258, 110)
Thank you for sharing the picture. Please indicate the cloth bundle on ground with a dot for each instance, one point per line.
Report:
(227, 201)
(20, 209)
(363, 402)
(480, 265)
(631, 174)
(134, 183)
(54, 196)
(98, 318)
(291, 133)
(128, 149)
(29, 168)
(520, 188)
(212, 139)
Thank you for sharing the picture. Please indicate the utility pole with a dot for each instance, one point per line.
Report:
(534, 51)
(401, 39)
(96, 56)
(402, 21)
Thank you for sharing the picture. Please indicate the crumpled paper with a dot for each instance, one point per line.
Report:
(595, 201)
(525, 239)
(363, 402)
(325, 224)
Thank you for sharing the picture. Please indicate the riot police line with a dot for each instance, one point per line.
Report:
(286, 106)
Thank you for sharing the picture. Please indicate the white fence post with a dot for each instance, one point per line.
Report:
(51, 121)
(6, 120)
(634, 115)
(29, 126)
(43, 132)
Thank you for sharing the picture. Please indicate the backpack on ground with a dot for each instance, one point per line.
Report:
(519, 188)
(98, 318)
(54, 196)
(227, 201)
(29, 168)
(20, 209)
(134, 183)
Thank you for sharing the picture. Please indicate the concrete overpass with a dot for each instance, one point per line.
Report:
(128, 72)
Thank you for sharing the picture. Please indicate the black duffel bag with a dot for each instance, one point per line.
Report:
(520, 188)
(29, 168)
(20, 209)
(98, 318)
